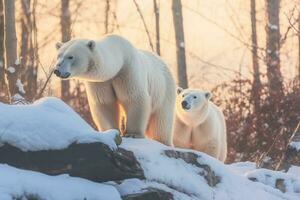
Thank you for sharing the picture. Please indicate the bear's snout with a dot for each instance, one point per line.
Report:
(60, 74)
(185, 105)
(57, 72)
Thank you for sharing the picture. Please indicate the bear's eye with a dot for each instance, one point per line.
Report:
(70, 57)
(195, 97)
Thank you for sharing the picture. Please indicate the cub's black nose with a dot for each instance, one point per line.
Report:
(184, 104)
(57, 72)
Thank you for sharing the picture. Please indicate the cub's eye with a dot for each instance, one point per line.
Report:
(183, 95)
(70, 57)
(195, 97)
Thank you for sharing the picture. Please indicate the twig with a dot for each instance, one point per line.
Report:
(264, 154)
(283, 39)
(44, 86)
(287, 145)
(293, 26)
(116, 21)
(145, 25)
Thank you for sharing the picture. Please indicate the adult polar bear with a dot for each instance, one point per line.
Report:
(117, 74)
(199, 124)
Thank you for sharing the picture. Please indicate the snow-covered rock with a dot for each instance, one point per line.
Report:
(276, 179)
(198, 175)
(48, 123)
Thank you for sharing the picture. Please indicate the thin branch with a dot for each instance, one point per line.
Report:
(145, 25)
(283, 39)
(44, 86)
(293, 26)
(222, 28)
(264, 154)
(287, 145)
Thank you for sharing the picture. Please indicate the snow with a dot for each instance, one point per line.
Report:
(295, 145)
(182, 45)
(47, 124)
(16, 183)
(269, 177)
(187, 178)
(20, 86)
(273, 27)
(11, 69)
(243, 167)
(17, 61)
(134, 186)
(18, 99)
(295, 171)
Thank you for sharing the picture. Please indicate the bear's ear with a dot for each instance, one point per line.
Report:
(207, 95)
(179, 90)
(91, 44)
(58, 45)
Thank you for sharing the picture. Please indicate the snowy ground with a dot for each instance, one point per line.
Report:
(16, 183)
(51, 124)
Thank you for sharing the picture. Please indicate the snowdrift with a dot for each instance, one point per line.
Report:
(48, 152)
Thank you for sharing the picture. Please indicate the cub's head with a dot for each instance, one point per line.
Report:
(192, 104)
(75, 58)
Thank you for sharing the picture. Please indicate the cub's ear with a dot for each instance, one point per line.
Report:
(179, 90)
(91, 44)
(208, 95)
(58, 45)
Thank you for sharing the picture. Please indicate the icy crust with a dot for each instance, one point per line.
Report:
(21, 184)
(47, 124)
(190, 180)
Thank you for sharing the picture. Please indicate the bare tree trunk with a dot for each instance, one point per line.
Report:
(3, 87)
(156, 12)
(180, 44)
(274, 75)
(256, 85)
(65, 22)
(299, 46)
(10, 39)
(29, 48)
(32, 85)
(106, 22)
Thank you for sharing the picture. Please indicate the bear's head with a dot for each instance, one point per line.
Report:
(192, 104)
(75, 58)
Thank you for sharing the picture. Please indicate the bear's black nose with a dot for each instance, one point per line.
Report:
(57, 72)
(184, 104)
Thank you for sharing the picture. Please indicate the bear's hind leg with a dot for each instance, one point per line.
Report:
(161, 126)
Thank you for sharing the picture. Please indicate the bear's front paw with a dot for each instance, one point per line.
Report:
(134, 135)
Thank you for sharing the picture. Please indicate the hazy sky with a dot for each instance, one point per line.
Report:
(210, 27)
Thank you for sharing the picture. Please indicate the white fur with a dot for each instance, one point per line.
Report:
(120, 77)
(201, 125)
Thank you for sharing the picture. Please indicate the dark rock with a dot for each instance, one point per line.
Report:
(93, 161)
(150, 194)
(191, 158)
(280, 185)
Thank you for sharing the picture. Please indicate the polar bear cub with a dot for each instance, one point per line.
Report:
(199, 124)
(118, 77)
